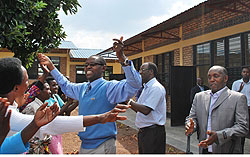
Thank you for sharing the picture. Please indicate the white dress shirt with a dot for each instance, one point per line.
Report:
(60, 125)
(153, 96)
(245, 90)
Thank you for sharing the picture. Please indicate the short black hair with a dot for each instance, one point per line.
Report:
(245, 67)
(49, 80)
(11, 74)
(99, 58)
(153, 67)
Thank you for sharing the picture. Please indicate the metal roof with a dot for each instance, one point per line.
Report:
(174, 22)
(83, 53)
(67, 45)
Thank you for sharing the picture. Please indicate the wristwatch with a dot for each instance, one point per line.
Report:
(125, 63)
(130, 100)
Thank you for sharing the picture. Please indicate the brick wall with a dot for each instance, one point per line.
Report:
(215, 20)
(149, 59)
(63, 65)
(72, 74)
(187, 56)
(176, 57)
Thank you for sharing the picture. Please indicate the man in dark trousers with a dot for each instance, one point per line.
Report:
(219, 115)
(198, 88)
(151, 112)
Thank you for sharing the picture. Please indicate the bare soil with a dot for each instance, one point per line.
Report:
(126, 142)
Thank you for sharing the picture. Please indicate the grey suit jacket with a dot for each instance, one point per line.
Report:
(229, 119)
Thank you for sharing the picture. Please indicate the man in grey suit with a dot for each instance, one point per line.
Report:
(220, 116)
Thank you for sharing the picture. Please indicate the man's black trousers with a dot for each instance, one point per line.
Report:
(152, 140)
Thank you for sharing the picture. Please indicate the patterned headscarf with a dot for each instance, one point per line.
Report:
(33, 92)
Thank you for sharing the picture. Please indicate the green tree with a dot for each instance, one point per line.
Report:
(31, 26)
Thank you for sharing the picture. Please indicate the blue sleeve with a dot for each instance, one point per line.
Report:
(120, 91)
(236, 85)
(14, 145)
(68, 88)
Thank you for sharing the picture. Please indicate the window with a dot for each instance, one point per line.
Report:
(108, 71)
(80, 74)
(137, 63)
(80, 70)
(232, 52)
(203, 54)
(163, 62)
(219, 54)
(36, 69)
(247, 54)
(56, 61)
(203, 61)
(235, 52)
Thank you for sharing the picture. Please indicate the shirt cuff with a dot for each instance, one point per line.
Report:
(14, 145)
(129, 67)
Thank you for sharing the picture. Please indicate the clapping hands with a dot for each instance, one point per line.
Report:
(44, 114)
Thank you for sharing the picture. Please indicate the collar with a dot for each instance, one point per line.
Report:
(38, 101)
(218, 93)
(14, 105)
(245, 82)
(149, 83)
(94, 83)
(199, 86)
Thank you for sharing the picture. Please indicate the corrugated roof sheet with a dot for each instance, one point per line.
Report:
(83, 53)
(67, 45)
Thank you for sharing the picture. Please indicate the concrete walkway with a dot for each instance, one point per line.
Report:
(175, 135)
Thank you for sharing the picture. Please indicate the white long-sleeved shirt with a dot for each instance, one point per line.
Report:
(60, 125)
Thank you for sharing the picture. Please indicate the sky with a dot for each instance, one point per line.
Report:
(97, 22)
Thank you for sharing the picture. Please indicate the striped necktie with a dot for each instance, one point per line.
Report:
(88, 88)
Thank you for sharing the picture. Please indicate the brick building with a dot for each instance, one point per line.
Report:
(215, 32)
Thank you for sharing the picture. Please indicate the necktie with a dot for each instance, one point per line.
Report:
(88, 88)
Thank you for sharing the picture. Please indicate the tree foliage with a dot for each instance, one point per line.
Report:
(30, 26)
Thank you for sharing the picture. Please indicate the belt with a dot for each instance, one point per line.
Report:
(150, 127)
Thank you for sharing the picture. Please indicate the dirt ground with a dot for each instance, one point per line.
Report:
(126, 142)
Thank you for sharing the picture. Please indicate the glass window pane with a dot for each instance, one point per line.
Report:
(247, 57)
(203, 54)
(80, 69)
(219, 55)
(108, 71)
(159, 64)
(202, 73)
(137, 63)
(56, 62)
(234, 52)
(163, 63)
